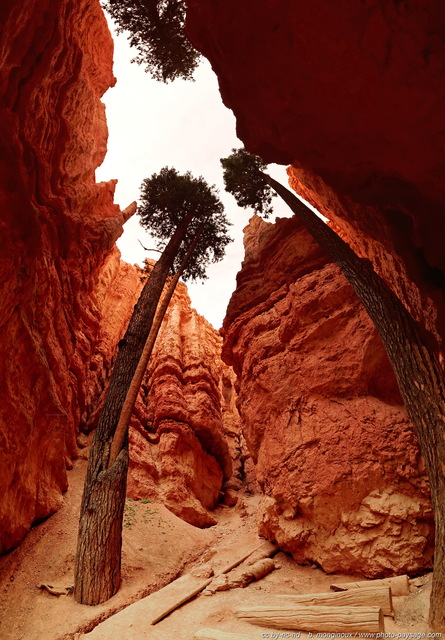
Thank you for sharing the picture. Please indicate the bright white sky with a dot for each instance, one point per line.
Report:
(183, 125)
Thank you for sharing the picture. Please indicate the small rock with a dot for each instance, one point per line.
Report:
(230, 498)
(205, 571)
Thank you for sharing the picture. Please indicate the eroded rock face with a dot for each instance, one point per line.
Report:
(351, 94)
(65, 297)
(335, 454)
(185, 440)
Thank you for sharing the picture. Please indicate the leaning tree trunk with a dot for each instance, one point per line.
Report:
(127, 409)
(418, 371)
(97, 574)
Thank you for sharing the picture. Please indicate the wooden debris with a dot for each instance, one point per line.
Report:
(252, 572)
(186, 587)
(235, 563)
(56, 591)
(177, 593)
(367, 596)
(241, 578)
(399, 585)
(266, 550)
(215, 634)
(315, 618)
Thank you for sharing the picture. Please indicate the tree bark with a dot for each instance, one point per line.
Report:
(100, 536)
(379, 597)
(98, 556)
(315, 618)
(133, 390)
(399, 585)
(418, 371)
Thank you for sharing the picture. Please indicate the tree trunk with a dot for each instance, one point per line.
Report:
(418, 371)
(316, 618)
(380, 597)
(399, 585)
(133, 390)
(98, 556)
(100, 536)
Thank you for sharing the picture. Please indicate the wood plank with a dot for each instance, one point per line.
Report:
(174, 595)
(399, 585)
(315, 618)
(186, 587)
(215, 634)
(241, 559)
(242, 577)
(367, 596)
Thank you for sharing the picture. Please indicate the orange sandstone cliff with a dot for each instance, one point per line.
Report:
(336, 457)
(65, 297)
(352, 95)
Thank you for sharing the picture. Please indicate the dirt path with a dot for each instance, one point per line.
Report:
(157, 548)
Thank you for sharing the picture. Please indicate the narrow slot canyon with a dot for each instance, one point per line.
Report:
(287, 443)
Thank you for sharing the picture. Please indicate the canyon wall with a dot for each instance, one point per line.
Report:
(352, 95)
(65, 297)
(336, 457)
(185, 440)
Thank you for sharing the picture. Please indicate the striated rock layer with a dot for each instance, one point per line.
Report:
(65, 297)
(185, 440)
(344, 484)
(351, 94)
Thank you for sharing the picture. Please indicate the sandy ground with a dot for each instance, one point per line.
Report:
(157, 548)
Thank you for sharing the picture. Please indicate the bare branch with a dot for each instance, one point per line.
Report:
(145, 248)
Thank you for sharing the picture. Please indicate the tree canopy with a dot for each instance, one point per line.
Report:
(243, 178)
(157, 31)
(167, 198)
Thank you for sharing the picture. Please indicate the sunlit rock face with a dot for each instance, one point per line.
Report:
(344, 484)
(185, 440)
(65, 297)
(351, 94)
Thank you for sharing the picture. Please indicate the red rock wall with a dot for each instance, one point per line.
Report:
(352, 94)
(344, 485)
(185, 440)
(64, 295)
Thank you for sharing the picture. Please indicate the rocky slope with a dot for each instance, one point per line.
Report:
(65, 297)
(352, 95)
(344, 484)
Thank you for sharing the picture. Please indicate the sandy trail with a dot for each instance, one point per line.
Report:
(157, 548)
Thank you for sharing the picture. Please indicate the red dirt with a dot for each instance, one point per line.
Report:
(158, 547)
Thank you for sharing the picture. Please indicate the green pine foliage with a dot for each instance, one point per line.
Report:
(243, 178)
(166, 199)
(156, 30)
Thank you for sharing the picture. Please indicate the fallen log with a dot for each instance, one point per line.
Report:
(315, 618)
(266, 550)
(251, 573)
(215, 634)
(242, 578)
(399, 585)
(380, 597)
(185, 591)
